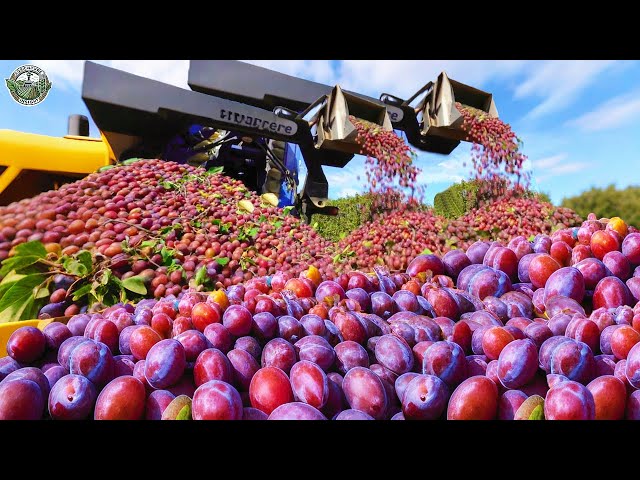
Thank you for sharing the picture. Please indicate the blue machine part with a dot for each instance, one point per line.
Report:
(178, 149)
(292, 156)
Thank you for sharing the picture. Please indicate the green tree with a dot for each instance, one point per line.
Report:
(608, 202)
(353, 212)
(462, 197)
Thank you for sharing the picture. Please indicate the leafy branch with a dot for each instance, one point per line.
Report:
(27, 279)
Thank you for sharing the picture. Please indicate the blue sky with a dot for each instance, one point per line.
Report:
(579, 120)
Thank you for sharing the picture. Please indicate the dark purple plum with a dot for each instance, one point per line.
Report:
(72, 398)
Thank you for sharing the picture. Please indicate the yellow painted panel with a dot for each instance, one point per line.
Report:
(54, 154)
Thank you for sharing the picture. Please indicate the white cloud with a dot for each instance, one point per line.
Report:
(349, 180)
(403, 78)
(68, 73)
(572, 167)
(557, 165)
(559, 83)
(371, 77)
(347, 192)
(448, 171)
(549, 162)
(613, 113)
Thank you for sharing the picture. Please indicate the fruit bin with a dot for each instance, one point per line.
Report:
(6, 329)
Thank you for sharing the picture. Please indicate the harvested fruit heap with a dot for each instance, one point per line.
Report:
(542, 329)
(154, 228)
(165, 224)
(399, 236)
(393, 240)
(506, 219)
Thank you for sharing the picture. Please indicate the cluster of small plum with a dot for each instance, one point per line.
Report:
(506, 219)
(396, 238)
(393, 240)
(542, 329)
(129, 213)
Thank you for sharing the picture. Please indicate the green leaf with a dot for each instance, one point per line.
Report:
(532, 238)
(82, 291)
(26, 254)
(367, 244)
(262, 219)
(8, 281)
(222, 261)
(74, 267)
(84, 257)
(19, 301)
(16, 263)
(253, 232)
(426, 251)
(537, 413)
(215, 170)
(40, 299)
(106, 277)
(201, 276)
(167, 255)
(184, 413)
(34, 248)
(277, 224)
(286, 210)
(174, 266)
(135, 284)
(42, 293)
(149, 243)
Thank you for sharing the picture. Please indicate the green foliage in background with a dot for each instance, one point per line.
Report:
(608, 202)
(462, 197)
(451, 203)
(456, 200)
(353, 211)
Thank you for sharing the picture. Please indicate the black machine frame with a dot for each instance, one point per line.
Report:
(232, 95)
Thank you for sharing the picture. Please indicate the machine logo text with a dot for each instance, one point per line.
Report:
(273, 124)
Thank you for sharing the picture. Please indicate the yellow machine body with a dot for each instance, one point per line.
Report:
(68, 156)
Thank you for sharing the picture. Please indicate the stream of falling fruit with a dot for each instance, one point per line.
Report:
(496, 160)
